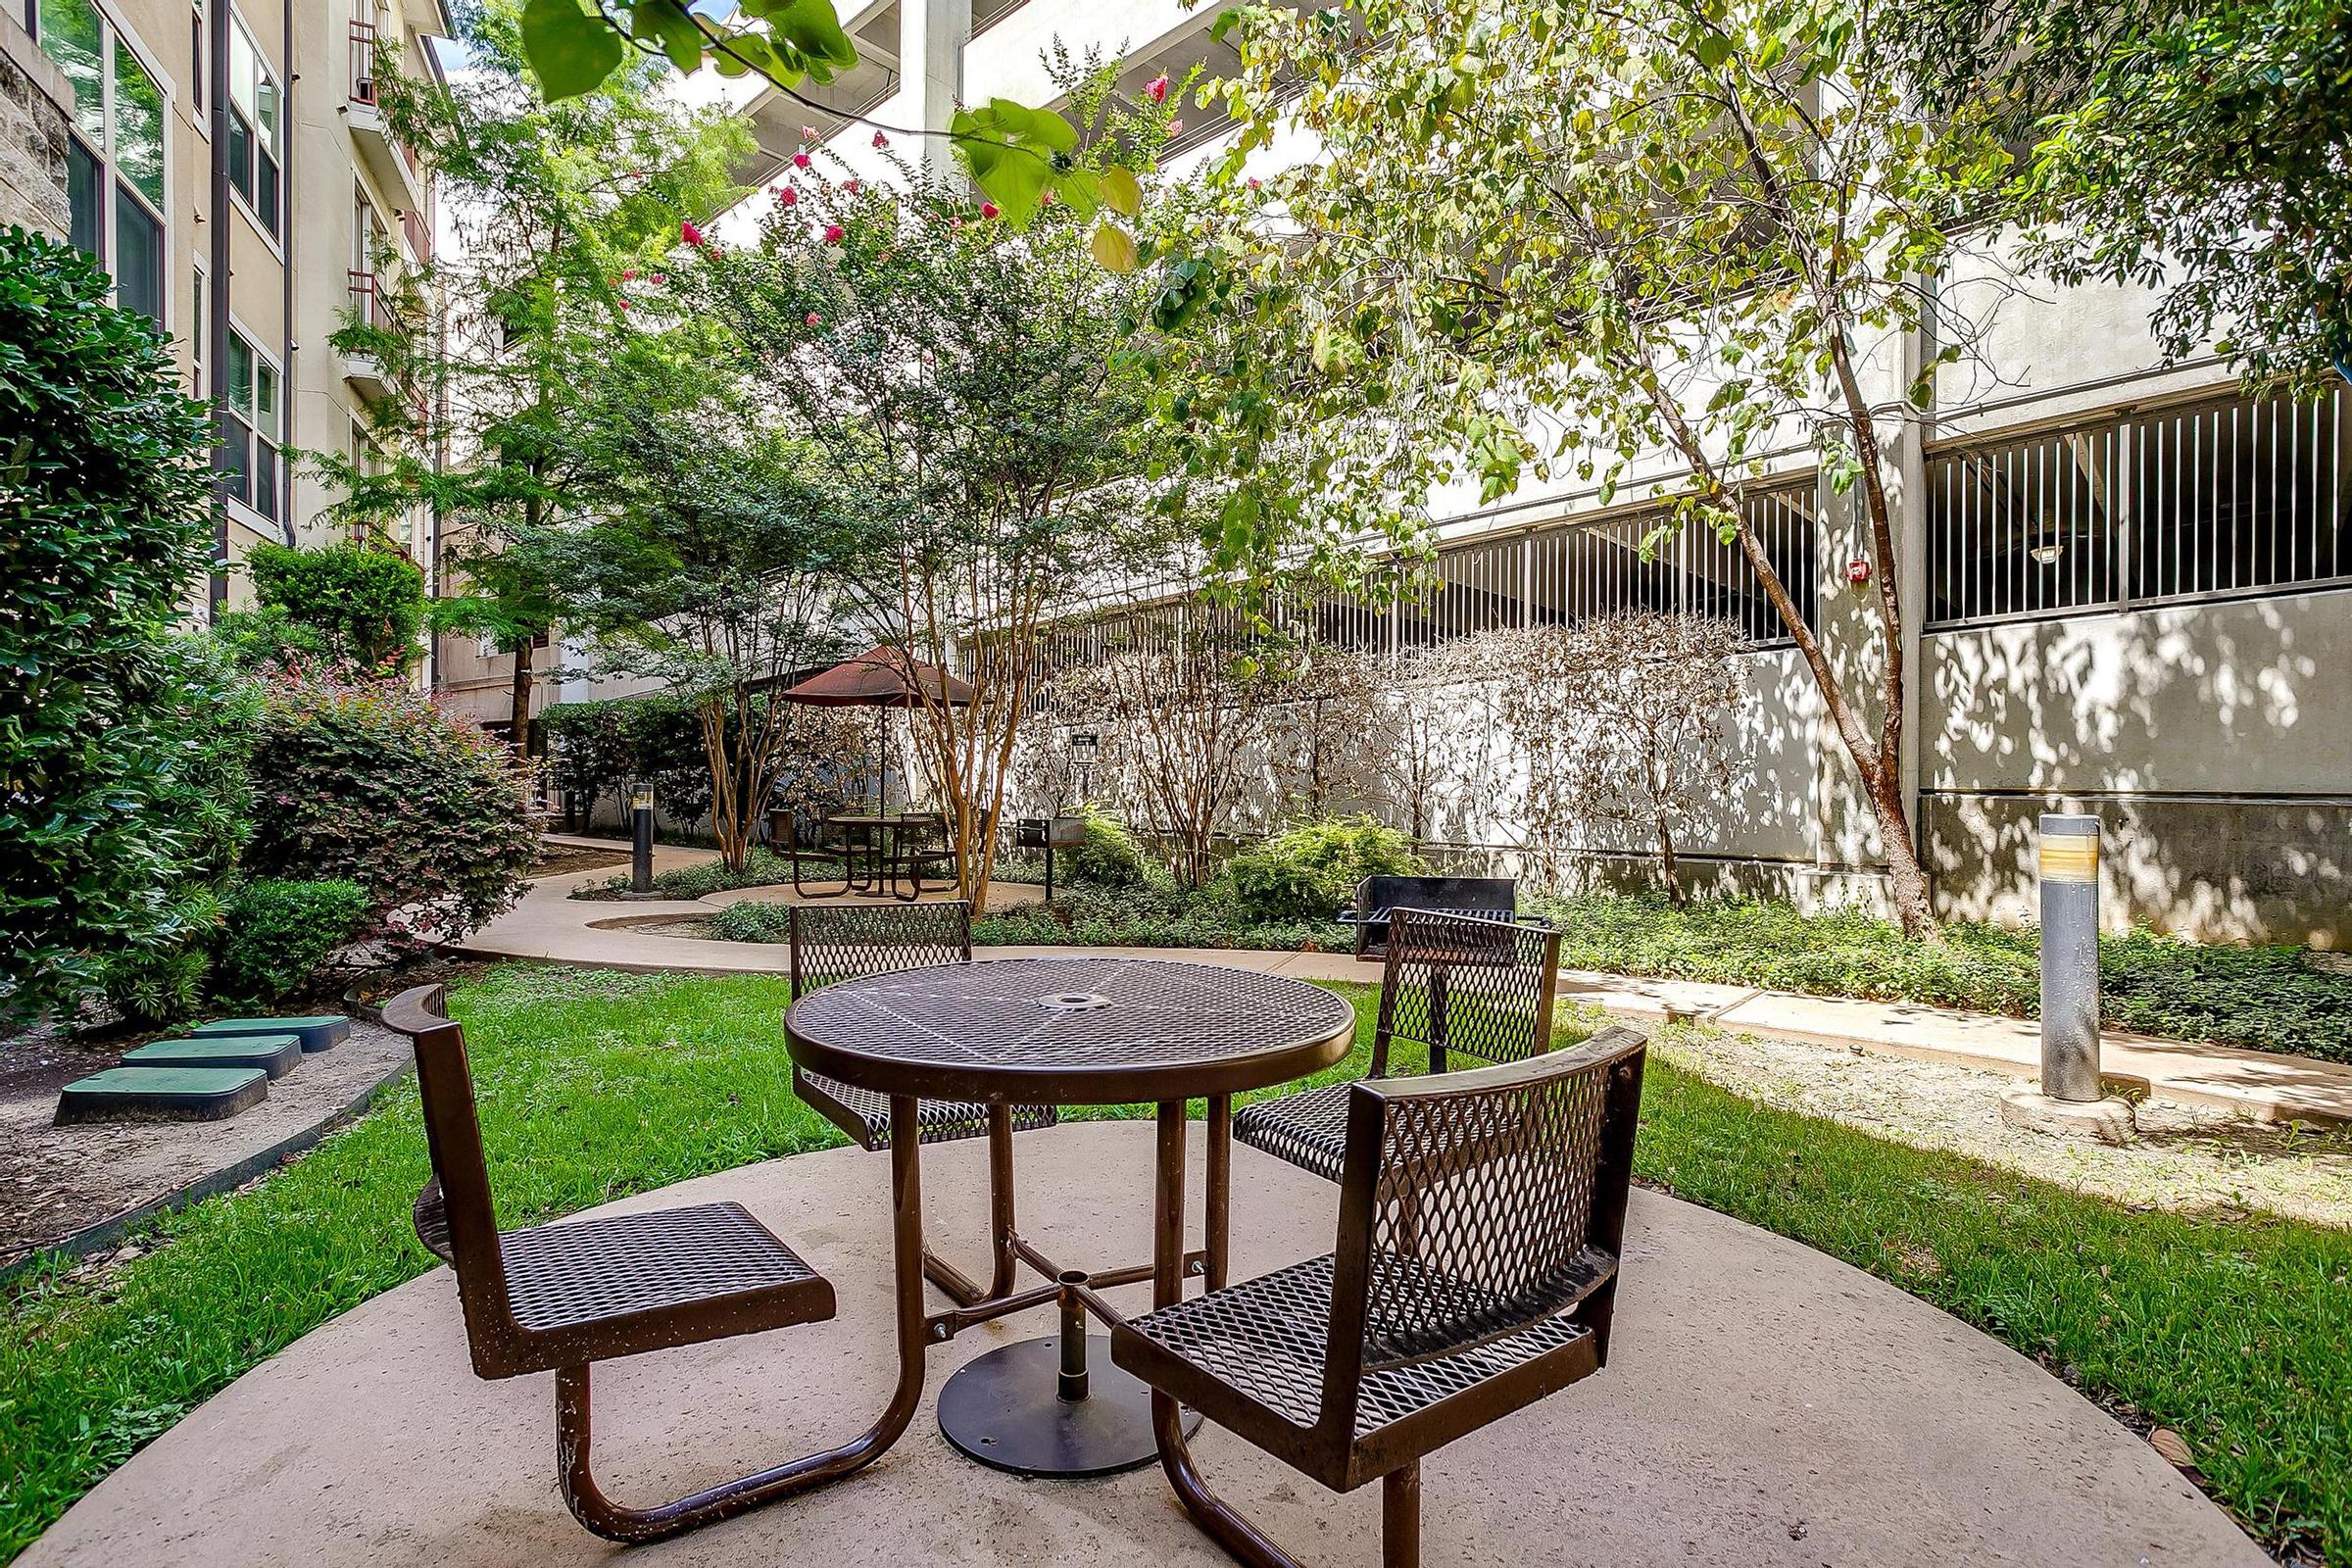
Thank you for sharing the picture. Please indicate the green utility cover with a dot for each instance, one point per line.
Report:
(149, 1094)
(274, 1055)
(317, 1031)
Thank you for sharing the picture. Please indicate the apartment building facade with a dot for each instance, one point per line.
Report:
(2130, 588)
(230, 168)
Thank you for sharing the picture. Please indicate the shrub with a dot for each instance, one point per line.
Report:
(373, 783)
(761, 869)
(367, 603)
(1109, 859)
(274, 935)
(753, 921)
(105, 524)
(268, 639)
(1310, 872)
(203, 800)
(599, 746)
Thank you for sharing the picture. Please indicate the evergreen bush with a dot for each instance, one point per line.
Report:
(275, 935)
(105, 530)
(1310, 872)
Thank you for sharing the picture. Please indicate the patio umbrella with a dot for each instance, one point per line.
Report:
(882, 678)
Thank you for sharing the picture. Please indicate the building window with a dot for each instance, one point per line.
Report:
(115, 151)
(256, 107)
(2242, 497)
(256, 427)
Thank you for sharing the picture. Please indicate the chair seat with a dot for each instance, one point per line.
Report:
(1266, 1340)
(864, 1114)
(586, 1271)
(1307, 1129)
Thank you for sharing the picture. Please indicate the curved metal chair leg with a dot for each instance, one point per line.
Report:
(619, 1522)
(959, 1287)
(1243, 1541)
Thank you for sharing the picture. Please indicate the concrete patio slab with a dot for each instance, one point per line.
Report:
(1765, 1407)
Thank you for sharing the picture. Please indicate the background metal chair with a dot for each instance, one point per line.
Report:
(784, 838)
(1456, 984)
(850, 942)
(922, 841)
(1482, 1217)
(561, 1297)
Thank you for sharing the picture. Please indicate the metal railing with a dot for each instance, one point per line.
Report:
(363, 62)
(2226, 498)
(367, 299)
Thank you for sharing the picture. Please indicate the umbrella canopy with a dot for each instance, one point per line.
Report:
(882, 677)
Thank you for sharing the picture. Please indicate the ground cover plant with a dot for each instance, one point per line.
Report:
(2265, 998)
(2228, 1330)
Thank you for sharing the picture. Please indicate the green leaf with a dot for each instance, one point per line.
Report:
(1113, 246)
(570, 51)
(667, 21)
(812, 27)
(1713, 50)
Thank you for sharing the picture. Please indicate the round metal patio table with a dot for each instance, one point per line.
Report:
(1081, 1031)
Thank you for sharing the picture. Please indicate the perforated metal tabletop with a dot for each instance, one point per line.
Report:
(1081, 1031)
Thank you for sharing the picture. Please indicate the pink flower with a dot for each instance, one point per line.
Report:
(813, 319)
(661, 277)
(954, 223)
(1157, 89)
(789, 196)
(1045, 198)
(1254, 183)
(881, 140)
(808, 134)
(832, 233)
(690, 235)
(848, 187)
(1175, 128)
(629, 276)
(625, 304)
(799, 160)
(988, 209)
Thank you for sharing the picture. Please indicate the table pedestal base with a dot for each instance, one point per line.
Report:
(1005, 1410)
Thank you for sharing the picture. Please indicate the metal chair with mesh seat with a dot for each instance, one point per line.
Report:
(784, 838)
(922, 841)
(1455, 983)
(1481, 1215)
(853, 941)
(561, 1297)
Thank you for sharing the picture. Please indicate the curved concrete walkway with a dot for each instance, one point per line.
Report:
(1764, 1406)
(2258, 1085)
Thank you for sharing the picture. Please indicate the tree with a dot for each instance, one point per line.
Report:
(1623, 718)
(974, 418)
(513, 349)
(1185, 698)
(2198, 149)
(720, 569)
(1548, 241)
(104, 478)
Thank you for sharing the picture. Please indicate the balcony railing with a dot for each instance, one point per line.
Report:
(367, 299)
(362, 62)
(418, 237)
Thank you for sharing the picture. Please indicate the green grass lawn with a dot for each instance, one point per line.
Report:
(596, 1085)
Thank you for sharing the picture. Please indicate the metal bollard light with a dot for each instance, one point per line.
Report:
(2069, 956)
(641, 827)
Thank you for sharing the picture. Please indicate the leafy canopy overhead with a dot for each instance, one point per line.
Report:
(1021, 158)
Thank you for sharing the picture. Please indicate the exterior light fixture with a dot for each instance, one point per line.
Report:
(2047, 554)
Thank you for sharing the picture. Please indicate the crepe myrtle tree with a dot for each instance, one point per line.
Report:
(979, 423)
(1555, 239)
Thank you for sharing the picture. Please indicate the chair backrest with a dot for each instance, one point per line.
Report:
(1483, 1203)
(845, 942)
(453, 1137)
(1462, 983)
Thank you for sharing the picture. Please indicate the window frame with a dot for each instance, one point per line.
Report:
(110, 181)
(244, 170)
(244, 433)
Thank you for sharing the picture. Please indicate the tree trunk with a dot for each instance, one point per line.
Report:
(518, 710)
(1666, 866)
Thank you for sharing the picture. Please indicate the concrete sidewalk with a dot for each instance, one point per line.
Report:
(2261, 1085)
